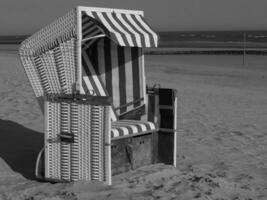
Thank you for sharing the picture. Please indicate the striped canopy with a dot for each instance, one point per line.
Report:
(125, 29)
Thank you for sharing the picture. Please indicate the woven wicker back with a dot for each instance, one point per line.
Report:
(49, 57)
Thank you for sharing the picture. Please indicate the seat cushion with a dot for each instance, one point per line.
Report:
(126, 128)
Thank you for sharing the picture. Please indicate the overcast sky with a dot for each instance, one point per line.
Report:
(28, 16)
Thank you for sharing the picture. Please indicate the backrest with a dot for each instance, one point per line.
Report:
(120, 71)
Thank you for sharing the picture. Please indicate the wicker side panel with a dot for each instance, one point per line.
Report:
(107, 145)
(65, 58)
(97, 139)
(50, 68)
(74, 121)
(54, 71)
(84, 142)
(52, 147)
(47, 38)
(32, 74)
(88, 156)
(65, 114)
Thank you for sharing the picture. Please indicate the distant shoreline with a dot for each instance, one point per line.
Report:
(188, 42)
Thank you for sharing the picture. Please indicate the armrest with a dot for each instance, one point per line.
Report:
(80, 99)
(160, 99)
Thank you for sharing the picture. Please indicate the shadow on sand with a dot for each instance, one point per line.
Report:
(19, 147)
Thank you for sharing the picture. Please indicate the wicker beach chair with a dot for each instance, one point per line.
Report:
(87, 72)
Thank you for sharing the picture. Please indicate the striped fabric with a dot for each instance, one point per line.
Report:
(126, 128)
(116, 71)
(91, 82)
(91, 30)
(124, 29)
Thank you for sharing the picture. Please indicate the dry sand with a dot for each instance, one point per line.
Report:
(222, 142)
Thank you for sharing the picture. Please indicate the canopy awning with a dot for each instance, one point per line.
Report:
(125, 29)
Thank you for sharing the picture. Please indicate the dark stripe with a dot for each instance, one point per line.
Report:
(125, 28)
(93, 57)
(151, 29)
(120, 132)
(152, 43)
(87, 44)
(85, 18)
(86, 24)
(99, 23)
(93, 52)
(116, 29)
(92, 31)
(60, 69)
(122, 78)
(90, 27)
(146, 125)
(130, 103)
(108, 67)
(85, 88)
(131, 123)
(85, 21)
(42, 74)
(136, 77)
(130, 130)
(119, 126)
(89, 75)
(135, 29)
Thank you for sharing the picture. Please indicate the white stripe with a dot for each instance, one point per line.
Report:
(133, 127)
(89, 31)
(141, 75)
(129, 76)
(125, 130)
(115, 132)
(143, 127)
(115, 75)
(147, 41)
(82, 90)
(140, 124)
(113, 116)
(115, 23)
(94, 76)
(123, 123)
(96, 80)
(87, 45)
(107, 25)
(101, 61)
(144, 76)
(88, 84)
(155, 36)
(89, 23)
(152, 126)
(137, 36)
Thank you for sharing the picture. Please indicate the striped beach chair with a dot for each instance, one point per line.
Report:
(87, 72)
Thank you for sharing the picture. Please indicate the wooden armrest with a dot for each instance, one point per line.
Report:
(80, 99)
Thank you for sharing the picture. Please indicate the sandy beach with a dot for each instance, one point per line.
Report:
(222, 140)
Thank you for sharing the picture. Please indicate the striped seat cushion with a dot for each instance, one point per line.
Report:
(126, 128)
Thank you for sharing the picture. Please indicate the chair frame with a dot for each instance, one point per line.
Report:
(69, 28)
